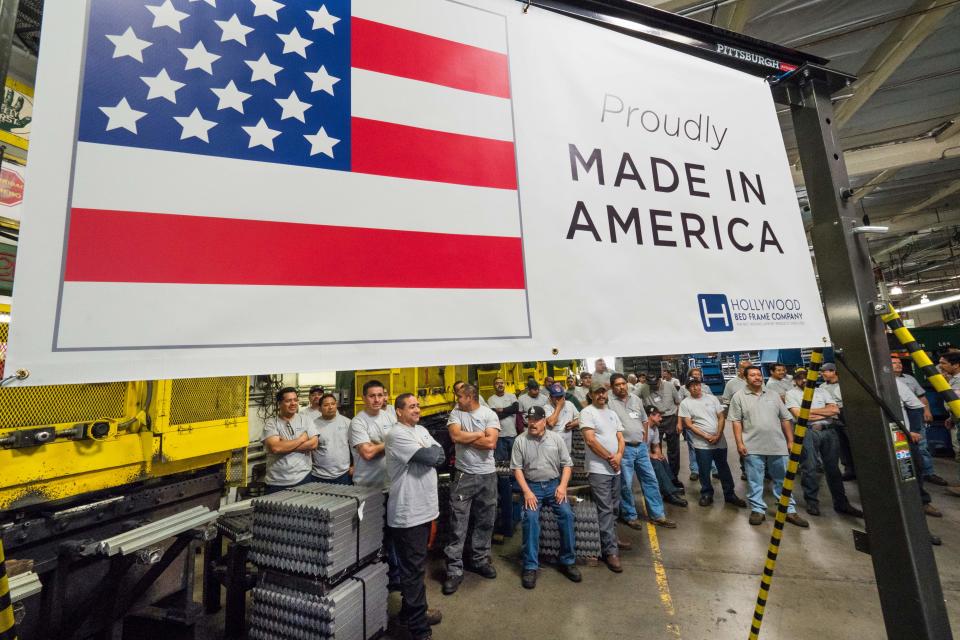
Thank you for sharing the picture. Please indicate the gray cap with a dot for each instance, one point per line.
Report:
(828, 366)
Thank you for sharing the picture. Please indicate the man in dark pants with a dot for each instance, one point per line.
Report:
(665, 396)
(412, 457)
(831, 384)
(506, 406)
(822, 439)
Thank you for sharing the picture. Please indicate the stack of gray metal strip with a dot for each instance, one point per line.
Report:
(578, 450)
(317, 530)
(586, 531)
(353, 610)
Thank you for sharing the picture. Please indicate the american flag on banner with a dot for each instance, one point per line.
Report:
(253, 172)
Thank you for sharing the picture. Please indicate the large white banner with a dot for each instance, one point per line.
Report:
(251, 186)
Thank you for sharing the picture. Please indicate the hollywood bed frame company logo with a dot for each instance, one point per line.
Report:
(717, 313)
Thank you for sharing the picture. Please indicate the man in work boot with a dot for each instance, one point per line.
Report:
(670, 492)
(542, 467)
(821, 440)
(412, 457)
(506, 406)
(918, 411)
(764, 435)
(636, 458)
(367, 432)
(474, 431)
(603, 435)
(703, 419)
(831, 384)
(289, 438)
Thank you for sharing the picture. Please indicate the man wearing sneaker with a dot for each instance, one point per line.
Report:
(603, 435)
(703, 419)
(542, 467)
(764, 435)
(412, 456)
(670, 492)
(474, 431)
(636, 457)
(821, 440)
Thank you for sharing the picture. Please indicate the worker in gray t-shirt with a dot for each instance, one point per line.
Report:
(288, 438)
(542, 467)
(735, 384)
(367, 431)
(331, 459)
(763, 431)
(831, 384)
(779, 381)
(506, 406)
(412, 456)
(474, 430)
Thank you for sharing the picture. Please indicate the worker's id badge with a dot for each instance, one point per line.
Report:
(634, 415)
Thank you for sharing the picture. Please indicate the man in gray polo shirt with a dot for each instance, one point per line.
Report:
(822, 440)
(764, 435)
(288, 438)
(603, 435)
(636, 458)
(474, 431)
(506, 406)
(696, 373)
(367, 431)
(665, 396)
(542, 467)
(703, 419)
(331, 459)
(412, 456)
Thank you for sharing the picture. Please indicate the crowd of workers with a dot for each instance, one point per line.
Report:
(631, 427)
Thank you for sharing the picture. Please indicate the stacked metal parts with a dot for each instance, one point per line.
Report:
(353, 610)
(586, 530)
(578, 452)
(317, 547)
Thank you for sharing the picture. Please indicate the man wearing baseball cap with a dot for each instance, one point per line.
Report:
(542, 467)
(532, 398)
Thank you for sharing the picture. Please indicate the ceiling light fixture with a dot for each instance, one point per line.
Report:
(896, 290)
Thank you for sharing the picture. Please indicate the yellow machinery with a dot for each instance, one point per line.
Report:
(62, 441)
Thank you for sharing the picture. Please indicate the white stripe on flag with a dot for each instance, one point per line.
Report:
(130, 179)
(450, 20)
(99, 315)
(387, 98)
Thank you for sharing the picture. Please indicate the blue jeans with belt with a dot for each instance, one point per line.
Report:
(915, 417)
(504, 525)
(636, 461)
(544, 491)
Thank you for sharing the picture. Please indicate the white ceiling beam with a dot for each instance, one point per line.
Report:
(935, 197)
(872, 184)
(922, 20)
(740, 15)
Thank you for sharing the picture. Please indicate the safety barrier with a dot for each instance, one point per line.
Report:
(895, 323)
(8, 626)
(816, 358)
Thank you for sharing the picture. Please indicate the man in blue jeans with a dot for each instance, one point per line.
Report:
(543, 466)
(764, 435)
(636, 458)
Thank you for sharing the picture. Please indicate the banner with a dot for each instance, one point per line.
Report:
(254, 187)
(16, 114)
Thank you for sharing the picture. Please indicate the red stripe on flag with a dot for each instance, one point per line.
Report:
(399, 52)
(399, 151)
(129, 246)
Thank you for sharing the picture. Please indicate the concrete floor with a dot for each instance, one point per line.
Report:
(709, 572)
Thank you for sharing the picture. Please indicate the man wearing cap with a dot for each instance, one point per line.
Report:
(671, 493)
(603, 435)
(412, 456)
(312, 410)
(695, 373)
(331, 459)
(764, 435)
(601, 373)
(288, 438)
(542, 467)
(665, 396)
(703, 419)
(506, 406)
(831, 384)
(822, 440)
(474, 430)
(636, 458)
(562, 416)
(533, 397)
(778, 380)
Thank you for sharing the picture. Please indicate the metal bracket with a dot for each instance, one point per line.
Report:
(861, 541)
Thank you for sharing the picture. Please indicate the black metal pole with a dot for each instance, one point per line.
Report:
(911, 597)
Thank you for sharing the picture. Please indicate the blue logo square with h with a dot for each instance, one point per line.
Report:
(715, 312)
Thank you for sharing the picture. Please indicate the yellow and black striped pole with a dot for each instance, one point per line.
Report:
(774, 549)
(8, 626)
(895, 323)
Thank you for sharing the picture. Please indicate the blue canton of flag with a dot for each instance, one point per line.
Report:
(248, 79)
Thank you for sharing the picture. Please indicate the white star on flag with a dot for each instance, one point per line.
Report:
(162, 86)
(261, 135)
(233, 29)
(165, 15)
(266, 8)
(230, 97)
(322, 81)
(122, 116)
(194, 126)
(263, 69)
(293, 42)
(322, 19)
(128, 45)
(320, 142)
(293, 107)
(199, 58)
